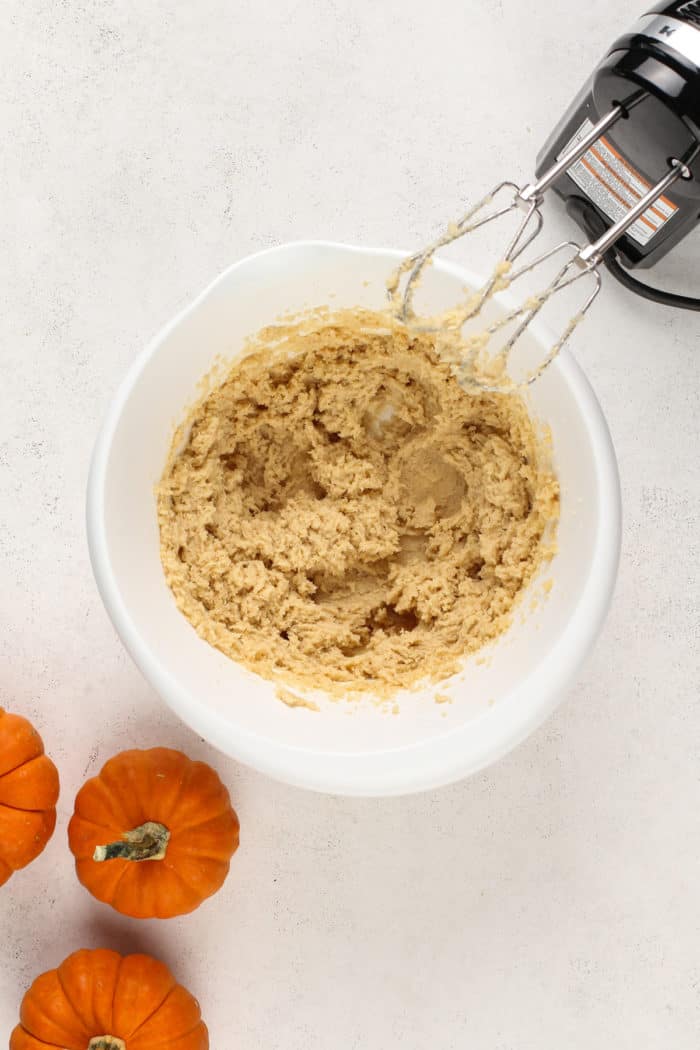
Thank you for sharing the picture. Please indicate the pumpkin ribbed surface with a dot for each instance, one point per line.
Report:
(153, 833)
(105, 1001)
(28, 794)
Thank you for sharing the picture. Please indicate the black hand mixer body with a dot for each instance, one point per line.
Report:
(653, 72)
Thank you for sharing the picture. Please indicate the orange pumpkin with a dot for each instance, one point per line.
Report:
(28, 794)
(153, 833)
(100, 1000)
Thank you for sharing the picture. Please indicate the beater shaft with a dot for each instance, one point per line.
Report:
(536, 190)
(593, 253)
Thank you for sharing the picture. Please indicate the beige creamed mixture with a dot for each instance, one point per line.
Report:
(340, 514)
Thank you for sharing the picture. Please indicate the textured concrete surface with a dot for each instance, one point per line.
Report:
(549, 902)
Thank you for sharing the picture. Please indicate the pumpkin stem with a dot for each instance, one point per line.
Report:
(147, 842)
(106, 1042)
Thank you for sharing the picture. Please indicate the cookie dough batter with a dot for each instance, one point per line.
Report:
(340, 514)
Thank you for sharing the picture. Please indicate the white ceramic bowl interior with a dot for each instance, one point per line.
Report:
(346, 749)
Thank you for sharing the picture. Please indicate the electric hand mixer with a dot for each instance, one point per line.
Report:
(623, 159)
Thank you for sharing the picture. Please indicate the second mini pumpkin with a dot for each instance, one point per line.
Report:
(153, 833)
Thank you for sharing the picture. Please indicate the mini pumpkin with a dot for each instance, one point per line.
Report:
(100, 1000)
(153, 834)
(28, 794)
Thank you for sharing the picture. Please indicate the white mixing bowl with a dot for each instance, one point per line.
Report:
(360, 749)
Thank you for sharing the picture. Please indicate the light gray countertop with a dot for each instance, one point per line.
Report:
(549, 902)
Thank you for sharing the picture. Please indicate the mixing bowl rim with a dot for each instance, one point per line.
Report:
(424, 764)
